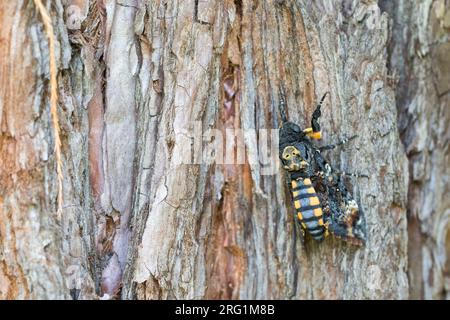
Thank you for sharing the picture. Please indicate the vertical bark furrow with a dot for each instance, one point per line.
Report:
(422, 69)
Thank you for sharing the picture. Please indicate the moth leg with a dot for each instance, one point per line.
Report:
(356, 175)
(303, 233)
(302, 230)
(327, 227)
(314, 131)
(338, 144)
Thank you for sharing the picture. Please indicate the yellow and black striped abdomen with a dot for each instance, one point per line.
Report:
(307, 205)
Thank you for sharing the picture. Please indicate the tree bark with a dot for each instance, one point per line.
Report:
(141, 83)
(419, 55)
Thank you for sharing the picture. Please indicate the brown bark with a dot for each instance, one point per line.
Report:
(422, 63)
(138, 223)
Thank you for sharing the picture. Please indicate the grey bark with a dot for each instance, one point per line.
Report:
(418, 54)
(138, 224)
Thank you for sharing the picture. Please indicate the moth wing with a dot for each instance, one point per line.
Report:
(343, 215)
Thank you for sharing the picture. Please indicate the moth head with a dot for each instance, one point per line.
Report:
(290, 131)
(295, 159)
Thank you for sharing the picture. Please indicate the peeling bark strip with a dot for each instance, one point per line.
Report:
(32, 258)
(47, 20)
(119, 136)
(132, 78)
(96, 133)
(226, 258)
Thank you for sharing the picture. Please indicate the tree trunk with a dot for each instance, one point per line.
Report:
(418, 54)
(142, 87)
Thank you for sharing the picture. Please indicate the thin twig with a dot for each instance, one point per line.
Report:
(47, 20)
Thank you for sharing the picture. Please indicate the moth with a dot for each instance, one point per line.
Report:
(322, 200)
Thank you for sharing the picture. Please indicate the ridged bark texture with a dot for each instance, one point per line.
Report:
(137, 77)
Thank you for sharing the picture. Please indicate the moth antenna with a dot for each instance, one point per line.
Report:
(323, 98)
(282, 104)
